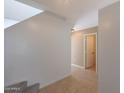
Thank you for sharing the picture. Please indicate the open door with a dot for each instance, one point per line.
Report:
(91, 51)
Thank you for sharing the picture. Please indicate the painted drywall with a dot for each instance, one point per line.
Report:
(37, 50)
(9, 22)
(77, 45)
(108, 49)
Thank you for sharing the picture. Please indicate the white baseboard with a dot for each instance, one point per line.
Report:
(74, 65)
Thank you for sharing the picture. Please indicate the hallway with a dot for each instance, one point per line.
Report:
(80, 81)
(41, 44)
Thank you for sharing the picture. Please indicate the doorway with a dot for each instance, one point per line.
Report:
(90, 51)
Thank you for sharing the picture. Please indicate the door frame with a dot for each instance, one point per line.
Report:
(88, 34)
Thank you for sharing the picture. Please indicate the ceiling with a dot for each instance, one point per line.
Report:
(17, 11)
(73, 8)
(81, 12)
(86, 21)
(78, 11)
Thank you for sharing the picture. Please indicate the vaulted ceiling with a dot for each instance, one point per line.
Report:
(18, 11)
(73, 9)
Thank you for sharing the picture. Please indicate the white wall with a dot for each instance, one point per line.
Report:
(37, 50)
(77, 45)
(108, 53)
(9, 22)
